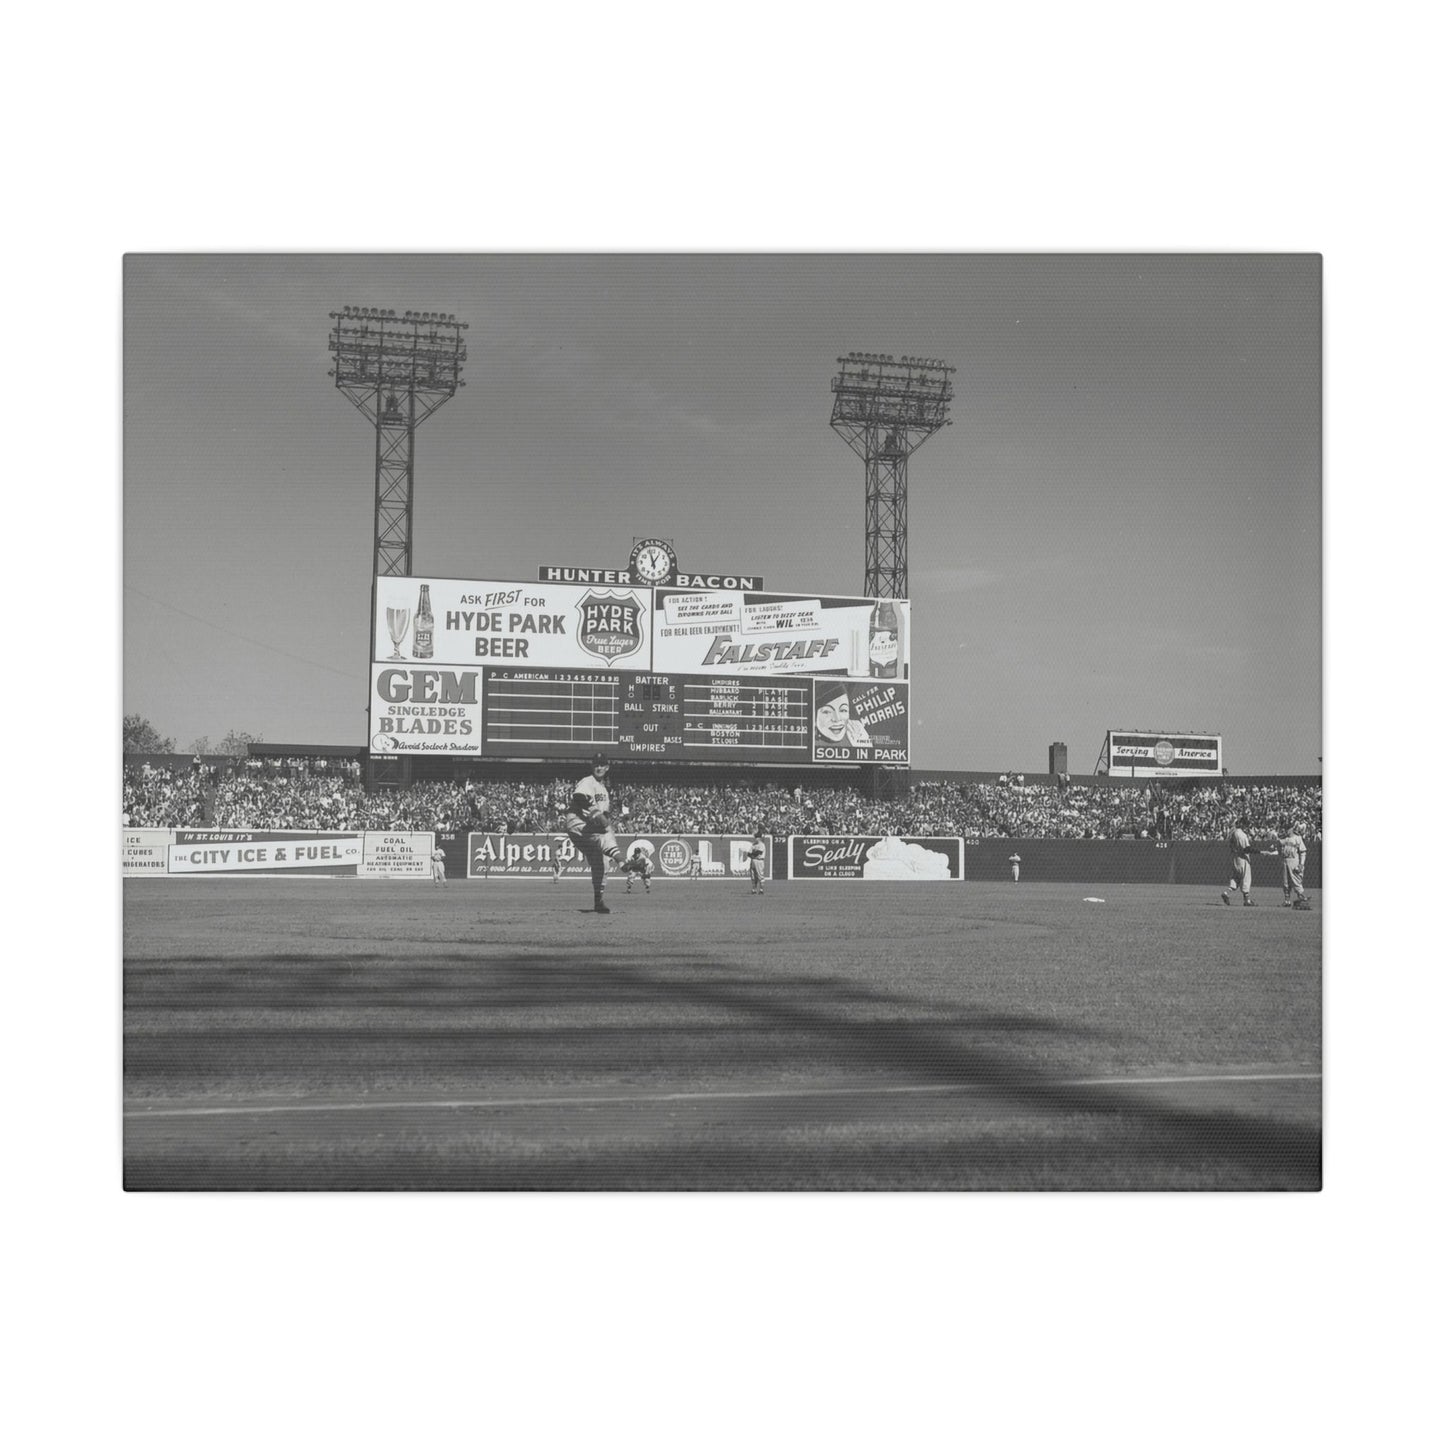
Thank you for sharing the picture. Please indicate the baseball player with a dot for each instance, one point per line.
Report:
(1292, 854)
(1014, 861)
(589, 826)
(1163, 818)
(438, 866)
(756, 852)
(638, 865)
(1239, 850)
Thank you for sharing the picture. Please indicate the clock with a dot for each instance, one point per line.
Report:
(653, 561)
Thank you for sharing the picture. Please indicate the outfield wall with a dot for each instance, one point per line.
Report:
(178, 852)
(1103, 860)
(1044, 860)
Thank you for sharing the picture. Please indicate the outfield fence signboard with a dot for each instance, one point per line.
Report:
(674, 855)
(143, 852)
(279, 852)
(396, 855)
(886, 859)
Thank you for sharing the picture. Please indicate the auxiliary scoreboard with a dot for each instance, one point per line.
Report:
(646, 714)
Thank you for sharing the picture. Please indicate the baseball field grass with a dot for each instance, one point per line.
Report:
(499, 1035)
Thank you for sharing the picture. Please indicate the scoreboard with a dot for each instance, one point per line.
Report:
(538, 712)
(519, 670)
(644, 714)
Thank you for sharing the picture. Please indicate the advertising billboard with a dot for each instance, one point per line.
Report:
(777, 634)
(554, 855)
(885, 859)
(442, 622)
(625, 577)
(228, 852)
(396, 855)
(144, 851)
(438, 622)
(1135, 754)
(859, 722)
(433, 710)
(244, 851)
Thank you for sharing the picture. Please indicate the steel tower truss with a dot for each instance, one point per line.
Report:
(885, 409)
(396, 370)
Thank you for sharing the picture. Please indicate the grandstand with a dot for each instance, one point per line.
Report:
(275, 780)
(289, 786)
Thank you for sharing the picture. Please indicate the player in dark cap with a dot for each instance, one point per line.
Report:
(589, 825)
(757, 851)
(639, 865)
(1239, 872)
(1292, 847)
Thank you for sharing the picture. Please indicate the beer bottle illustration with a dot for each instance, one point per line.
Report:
(421, 634)
(883, 642)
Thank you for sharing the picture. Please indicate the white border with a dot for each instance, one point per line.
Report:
(1278, 127)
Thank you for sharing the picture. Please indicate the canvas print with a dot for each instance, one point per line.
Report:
(735, 722)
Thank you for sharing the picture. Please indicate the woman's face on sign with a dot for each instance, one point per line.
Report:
(832, 718)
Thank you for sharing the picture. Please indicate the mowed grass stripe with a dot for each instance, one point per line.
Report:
(331, 1000)
(588, 1101)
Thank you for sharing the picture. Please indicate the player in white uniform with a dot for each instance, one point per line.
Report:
(1292, 855)
(589, 825)
(438, 866)
(1239, 850)
(756, 853)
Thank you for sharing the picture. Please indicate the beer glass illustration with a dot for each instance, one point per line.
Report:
(397, 619)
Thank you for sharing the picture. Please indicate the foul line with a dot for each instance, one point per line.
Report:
(722, 1096)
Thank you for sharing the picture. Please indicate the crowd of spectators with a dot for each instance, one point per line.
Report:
(328, 795)
(150, 793)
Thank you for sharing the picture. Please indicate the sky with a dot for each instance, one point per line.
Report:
(1121, 527)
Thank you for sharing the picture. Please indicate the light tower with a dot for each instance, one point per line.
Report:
(396, 370)
(885, 409)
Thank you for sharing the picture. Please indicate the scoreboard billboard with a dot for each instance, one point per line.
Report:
(508, 669)
(540, 712)
(1136, 754)
(776, 634)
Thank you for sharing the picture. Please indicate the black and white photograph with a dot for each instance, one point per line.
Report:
(725, 631)
(900, 568)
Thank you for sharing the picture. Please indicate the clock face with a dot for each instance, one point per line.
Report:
(653, 562)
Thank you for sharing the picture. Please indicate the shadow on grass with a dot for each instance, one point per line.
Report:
(461, 1023)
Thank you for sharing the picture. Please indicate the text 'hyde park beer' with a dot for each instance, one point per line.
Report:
(883, 642)
(423, 627)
